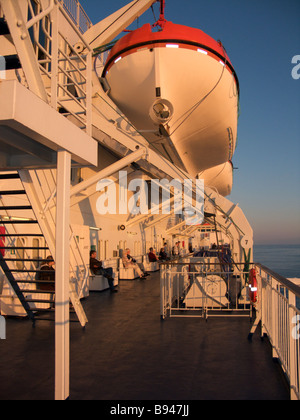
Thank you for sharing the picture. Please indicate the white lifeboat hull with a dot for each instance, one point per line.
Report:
(198, 91)
(219, 178)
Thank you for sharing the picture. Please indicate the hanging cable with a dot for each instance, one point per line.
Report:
(193, 108)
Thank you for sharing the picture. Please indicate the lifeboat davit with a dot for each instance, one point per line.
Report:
(179, 89)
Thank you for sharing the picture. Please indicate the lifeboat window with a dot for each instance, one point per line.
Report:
(118, 59)
(202, 51)
(172, 46)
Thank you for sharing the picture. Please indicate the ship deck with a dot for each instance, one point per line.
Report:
(127, 352)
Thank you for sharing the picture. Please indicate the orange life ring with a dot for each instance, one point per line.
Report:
(253, 289)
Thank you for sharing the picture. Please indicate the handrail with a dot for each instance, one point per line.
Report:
(76, 17)
(283, 280)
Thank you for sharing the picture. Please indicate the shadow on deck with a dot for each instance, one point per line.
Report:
(127, 353)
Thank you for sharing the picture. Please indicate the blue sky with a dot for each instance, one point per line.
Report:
(261, 38)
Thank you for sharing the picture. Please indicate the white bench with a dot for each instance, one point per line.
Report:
(128, 273)
(99, 283)
(150, 267)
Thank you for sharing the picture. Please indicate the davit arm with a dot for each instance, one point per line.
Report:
(105, 31)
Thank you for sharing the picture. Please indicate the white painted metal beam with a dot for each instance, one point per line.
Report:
(31, 118)
(21, 39)
(105, 31)
(109, 171)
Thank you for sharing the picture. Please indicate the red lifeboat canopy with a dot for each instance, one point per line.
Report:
(172, 35)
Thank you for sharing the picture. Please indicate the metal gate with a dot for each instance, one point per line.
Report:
(202, 287)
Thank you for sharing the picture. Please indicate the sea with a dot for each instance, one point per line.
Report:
(283, 259)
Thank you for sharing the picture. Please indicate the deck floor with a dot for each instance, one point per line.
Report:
(127, 353)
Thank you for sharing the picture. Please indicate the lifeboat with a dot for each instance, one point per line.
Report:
(219, 177)
(179, 89)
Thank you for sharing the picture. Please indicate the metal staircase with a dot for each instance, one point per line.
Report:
(47, 64)
(23, 249)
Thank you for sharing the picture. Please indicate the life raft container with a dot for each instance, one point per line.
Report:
(253, 289)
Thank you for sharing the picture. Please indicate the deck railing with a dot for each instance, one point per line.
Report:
(77, 14)
(66, 72)
(280, 321)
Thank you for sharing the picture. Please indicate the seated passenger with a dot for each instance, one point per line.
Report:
(47, 273)
(163, 255)
(151, 255)
(129, 262)
(98, 270)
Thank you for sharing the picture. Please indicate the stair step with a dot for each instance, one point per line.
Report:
(9, 248)
(18, 222)
(4, 30)
(51, 310)
(16, 288)
(36, 281)
(39, 301)
(28, 271)
(40, 260)
(21, 235)
(50, 319)
(15, 208)
(9, 176)
(13, 192)
(12, 62)
(38, 291)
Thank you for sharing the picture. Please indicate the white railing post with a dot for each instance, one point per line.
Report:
(89, 65)
(54, 57)
(62, 277)
(162, 291)
(292, 347)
